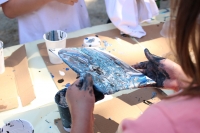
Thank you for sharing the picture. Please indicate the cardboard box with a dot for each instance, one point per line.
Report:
(16, 81)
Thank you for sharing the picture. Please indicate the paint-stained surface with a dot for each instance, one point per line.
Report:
(109, 74)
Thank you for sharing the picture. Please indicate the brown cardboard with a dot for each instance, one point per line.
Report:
(19, 82)
(111, 34)
(152, 32)
(109, 114)
(8, 90)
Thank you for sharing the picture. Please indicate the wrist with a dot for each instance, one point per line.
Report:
(82, 122)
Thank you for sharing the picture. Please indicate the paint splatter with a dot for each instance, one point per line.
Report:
(102, 48)
(62, 73)
(47, 121)
(60, 80)
(67, 85)
(106, 44)
(166, 11)
(52, 75)
(67, 69)
(147, 102)
(138, 99)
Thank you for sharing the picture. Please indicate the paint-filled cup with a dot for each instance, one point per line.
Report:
(92, 41)
(55, 39)
(63, 109)
(17, 126)
(2, 65)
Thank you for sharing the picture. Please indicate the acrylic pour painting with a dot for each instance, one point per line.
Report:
(109, 74)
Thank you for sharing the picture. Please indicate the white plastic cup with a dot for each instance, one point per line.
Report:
(17, 126)
(2, 65)
(61, 43)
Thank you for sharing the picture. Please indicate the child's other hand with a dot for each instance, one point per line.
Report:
(164, 72)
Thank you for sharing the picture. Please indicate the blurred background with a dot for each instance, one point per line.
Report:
(96, 9)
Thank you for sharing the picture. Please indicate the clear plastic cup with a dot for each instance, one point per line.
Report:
(2, 65)
(55, 39)
(165, 29)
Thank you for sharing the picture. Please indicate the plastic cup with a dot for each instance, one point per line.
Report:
(17, 126)
(165, 29)
(55, 39)
(63, 109)
(2, 65)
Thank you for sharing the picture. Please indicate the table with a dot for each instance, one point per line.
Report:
(44, 107)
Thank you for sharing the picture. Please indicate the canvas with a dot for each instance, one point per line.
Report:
(109, 74)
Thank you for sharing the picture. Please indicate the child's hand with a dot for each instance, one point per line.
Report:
(80, 94)
(69, 2)
(164, 72)
(80, 98)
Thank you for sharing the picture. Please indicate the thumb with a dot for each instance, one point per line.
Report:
(153, 58)
(87, 82)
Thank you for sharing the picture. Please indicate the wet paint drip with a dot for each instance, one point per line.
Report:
(60, 80)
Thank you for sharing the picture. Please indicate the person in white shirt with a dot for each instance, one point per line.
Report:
(36, 17)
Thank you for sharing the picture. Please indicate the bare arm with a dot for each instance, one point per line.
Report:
(15, 8)
(80, 98)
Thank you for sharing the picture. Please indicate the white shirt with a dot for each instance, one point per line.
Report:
(3, 1)
(126, 15)
(52, 16)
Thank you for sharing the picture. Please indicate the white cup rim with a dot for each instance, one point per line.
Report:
(44, 37)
